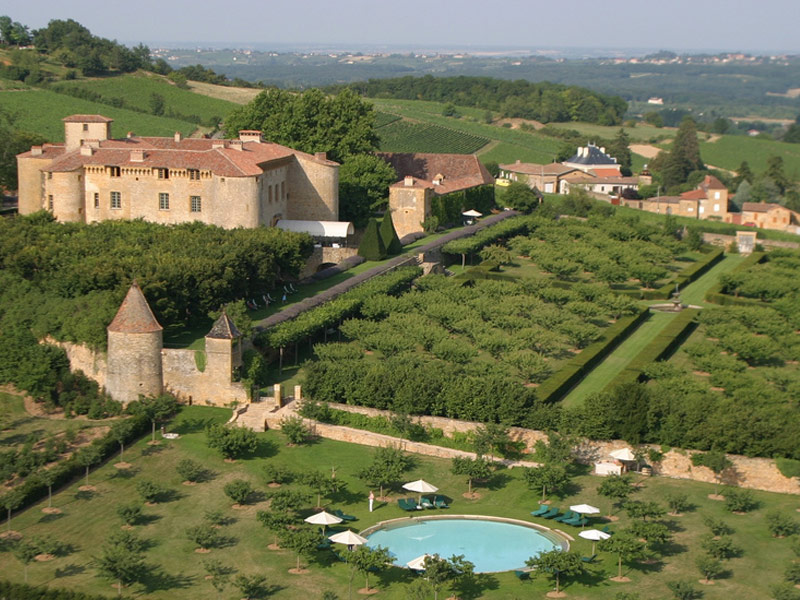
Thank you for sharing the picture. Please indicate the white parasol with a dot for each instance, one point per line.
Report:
(594, 535)
(348, 538)
(418, 564)
(421, 486)
(585, 509)
(472, 213)
(623, 454)
(323, 518)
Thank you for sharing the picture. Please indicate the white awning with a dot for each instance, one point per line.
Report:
(328, 229)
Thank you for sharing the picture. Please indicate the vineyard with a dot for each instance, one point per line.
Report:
(384, 118)
(403, 136)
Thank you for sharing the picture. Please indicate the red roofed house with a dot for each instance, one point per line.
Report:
(230, 183)
(769, 216)
(550, 179)
(709, 200)
(440, 185)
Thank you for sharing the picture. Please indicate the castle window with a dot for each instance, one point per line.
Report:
(194, 174)
(283, 190)
(86, 127)
(163, 201)
(195, 204)
(163, 173)
(50, 202)
(269, 188)
(49, 175)
(113, 171)
(116, 200)
(96, 200)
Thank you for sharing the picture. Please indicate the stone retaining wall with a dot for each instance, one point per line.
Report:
(719, 239)
(752, 473)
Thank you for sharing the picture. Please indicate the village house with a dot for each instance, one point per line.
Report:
(425, 176)
(550, 179)
(709, 200)
(767, 216)
(247, 182)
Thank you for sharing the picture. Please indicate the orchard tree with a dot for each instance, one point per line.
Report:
(121, 563)
(471, 468)
(549, 478)
(627, 548)
(387, 467)
(277, 521)
(150, 491)
(88, 456)
(120, 432)
(26, 554)
(204, 536)
(321, 484)
(129, 513)
(709, 567)
(440, 571)
(303, 542)
(11, 500)
(48, 478)
(238, 490)
(231, 442)
(295, 430)
(251, 587)
(156, 409)
(190, 470)
(715, 460)
(556, 564)
(369, 560)
(218, 574)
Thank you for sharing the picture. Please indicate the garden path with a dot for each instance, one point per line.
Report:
(616, 362)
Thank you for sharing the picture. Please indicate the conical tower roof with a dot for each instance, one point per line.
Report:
(224, 329)
(134, 314)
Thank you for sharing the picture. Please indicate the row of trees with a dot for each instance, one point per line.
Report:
(542, 101)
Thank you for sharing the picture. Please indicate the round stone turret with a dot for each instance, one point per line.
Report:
(134, 350)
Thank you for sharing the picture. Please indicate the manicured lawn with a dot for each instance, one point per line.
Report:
(86, 523)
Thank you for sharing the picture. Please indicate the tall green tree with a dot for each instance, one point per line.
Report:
(549, 478)
(389, 235)
(620, 149)
(369, 560)
(371, 246)
(627, 548)
(310, 121)
(364, 181)
(557, 564)
(471, 468)
(387, 467)
(616, 487)
(684, 156)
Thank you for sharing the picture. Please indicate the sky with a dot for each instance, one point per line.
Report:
(697, 25)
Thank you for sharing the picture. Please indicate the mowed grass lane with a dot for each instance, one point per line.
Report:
(616, 362)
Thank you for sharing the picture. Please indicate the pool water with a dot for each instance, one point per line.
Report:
(490, 545)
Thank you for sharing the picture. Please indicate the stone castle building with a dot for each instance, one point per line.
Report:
(246, 182)
(138, 364)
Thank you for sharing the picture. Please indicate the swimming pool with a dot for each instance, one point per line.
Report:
(492, 544)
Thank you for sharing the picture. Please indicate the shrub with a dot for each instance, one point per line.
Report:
(678, 502)
(276, 473)
(372, 246)
(717, 526)
(150, 491)
(738, 500)
(389, 235)
(720, 547)
(231, 442)
(295, 430)
(781, 525)
(190, 470)
(238, 490)
(683, 590)
(203, 536)
(129, 513)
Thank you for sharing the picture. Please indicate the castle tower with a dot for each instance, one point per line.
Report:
(223, 350)
(134, 350)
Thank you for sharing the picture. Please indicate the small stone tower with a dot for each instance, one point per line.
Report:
(223, 350)
(134, 350)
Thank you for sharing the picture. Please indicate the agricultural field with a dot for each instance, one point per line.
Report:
(404, 136)
(237, 95)
(40, 111)
(136, 92)
(175, 570)
(729, 151)
(642, 133)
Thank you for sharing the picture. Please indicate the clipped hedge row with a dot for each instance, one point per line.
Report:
(660, 347)
(557, 386)
(309, 322)
(448, 208)
(715, 294)
(23, 591)
(484, 237)
(32, 489)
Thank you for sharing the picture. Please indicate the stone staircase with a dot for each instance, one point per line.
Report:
(264, 414)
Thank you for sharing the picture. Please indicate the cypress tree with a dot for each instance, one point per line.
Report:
(371, 246)
(684, 157)
(389, 235)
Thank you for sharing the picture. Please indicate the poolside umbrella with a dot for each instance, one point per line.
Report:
(323, 518)
(585, 509)
(348, 538)
(472, 213)
(594, 535)
(418, 564)
(421, 486)
(623, 454)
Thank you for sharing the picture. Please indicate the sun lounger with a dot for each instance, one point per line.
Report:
(543, 508)
(522, 575)
(577, 521)
(566, 516)
(440, 502)
(408, 504)
(553, 512)
(343, 516)
(589, 559)
(607, 530)
(426, 503)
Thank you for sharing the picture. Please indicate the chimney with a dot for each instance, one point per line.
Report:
(177, 137)
(408, 181)
(321, 155)
(86, 150)
(92, 143)
(36, 150)
(137, 155)
(519, 161)
(250, 135)
(130, 135)
(236, 145)
(217, 144)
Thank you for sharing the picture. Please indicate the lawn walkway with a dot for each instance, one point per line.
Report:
(616, 362)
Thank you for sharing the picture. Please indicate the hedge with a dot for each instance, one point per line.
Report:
(372, 246)
(23, 591)
(309, 322)
(561, 382)
(32, 489)
(448, 208)
(660, 347)
(504, 229)
(716, 296)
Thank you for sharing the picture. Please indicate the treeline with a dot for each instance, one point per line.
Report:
(544, 101)
(20, 591)
(67, 280)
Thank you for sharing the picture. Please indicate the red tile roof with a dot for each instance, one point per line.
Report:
(134, 314)
(460, 171)
(536, 169)
(605, 172)
(759, 207)
(87, 119)
(694, 195)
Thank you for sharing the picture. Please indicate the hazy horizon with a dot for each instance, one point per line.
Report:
(697, 26)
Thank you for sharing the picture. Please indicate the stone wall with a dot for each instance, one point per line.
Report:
(725, 240)
(753, 473)
(323, 255)
(314, 190)
(82, 358)
(183, 379)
